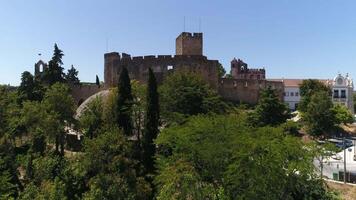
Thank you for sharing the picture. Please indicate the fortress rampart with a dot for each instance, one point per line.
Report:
(161, 66)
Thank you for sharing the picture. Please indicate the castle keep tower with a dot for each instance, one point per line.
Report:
(189, 44)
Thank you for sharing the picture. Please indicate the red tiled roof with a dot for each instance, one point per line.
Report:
(296, 82)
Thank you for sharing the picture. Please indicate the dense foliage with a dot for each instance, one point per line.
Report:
(270, 110)
(183, 94)
(307, 89)
(221, 156)
(201, 150)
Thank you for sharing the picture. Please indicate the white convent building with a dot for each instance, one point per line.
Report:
(342, 91)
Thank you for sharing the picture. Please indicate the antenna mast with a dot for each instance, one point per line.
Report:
(199, 24)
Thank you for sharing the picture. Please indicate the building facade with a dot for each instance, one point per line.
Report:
(342, 91)
(341, 88)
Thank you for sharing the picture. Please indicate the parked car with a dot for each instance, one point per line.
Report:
(336, 157)
(348, 143)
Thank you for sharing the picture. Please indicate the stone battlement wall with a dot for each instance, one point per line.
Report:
(82, 92)
(161, 64)
(246, 91)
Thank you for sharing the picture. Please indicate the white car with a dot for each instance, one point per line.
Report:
(336, 157)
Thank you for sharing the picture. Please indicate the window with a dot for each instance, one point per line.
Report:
(292, 94)
(258, 77)
(336, 93)
(296, 94)
(343, 94)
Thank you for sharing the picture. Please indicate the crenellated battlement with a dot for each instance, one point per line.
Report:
(240, 70)
(189, 44)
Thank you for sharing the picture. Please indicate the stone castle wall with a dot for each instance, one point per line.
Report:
(81, 92)
(245, 86)
(161, 66)
(246, 91)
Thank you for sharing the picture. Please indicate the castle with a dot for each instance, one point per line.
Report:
(244, 85)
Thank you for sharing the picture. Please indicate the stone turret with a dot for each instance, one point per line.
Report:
(111, 61)
(189, 44)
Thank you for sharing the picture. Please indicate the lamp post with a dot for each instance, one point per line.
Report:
(344, 146)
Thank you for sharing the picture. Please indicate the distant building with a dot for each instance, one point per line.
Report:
(342, 91)
(341, 87)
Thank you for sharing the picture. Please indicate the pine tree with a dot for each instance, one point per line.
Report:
(72, 76)
(30, 88)
(270, 110)
(124, 102)
(151, 123)
(54, 73)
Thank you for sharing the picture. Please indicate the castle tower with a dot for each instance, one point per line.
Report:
(237, 67)
(189, 44)
(111, 61)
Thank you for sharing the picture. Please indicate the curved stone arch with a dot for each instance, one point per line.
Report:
(102, 94)
(40, 66)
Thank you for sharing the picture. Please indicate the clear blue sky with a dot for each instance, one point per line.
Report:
(290, 38)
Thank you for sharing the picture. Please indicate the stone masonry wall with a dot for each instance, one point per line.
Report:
(82, 92)
(189, 44)
(161, 66)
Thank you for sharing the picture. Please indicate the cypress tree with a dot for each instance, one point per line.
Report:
(151, 123)
(124, 102)
(97, 82)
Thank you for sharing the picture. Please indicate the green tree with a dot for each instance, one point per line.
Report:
(92, 118)
(111, 170)
(307, 89)
(319, 116)
(221, 70)
(270, 110)
(30, 89)
(234, 160)
(184, 94)
(151, 123)
(60, 106)
(72, 76)
(181, 181)
(54, 73)
(124, 102)
(34, 119)
(342, 114)
(9, 182)
(97, 81)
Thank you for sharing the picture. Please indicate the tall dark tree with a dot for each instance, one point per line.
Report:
(54, 73)
(124, 102)
(151, 123)
(72, 76)
(30, 89)
(97, 81)
(270, 110)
